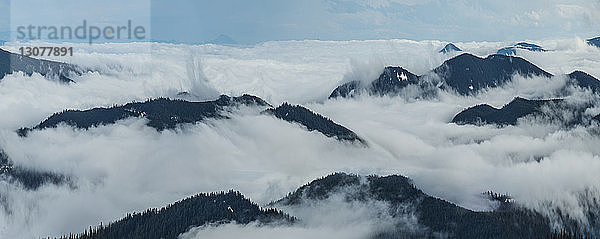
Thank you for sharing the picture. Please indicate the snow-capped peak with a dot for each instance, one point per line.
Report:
(402, 76)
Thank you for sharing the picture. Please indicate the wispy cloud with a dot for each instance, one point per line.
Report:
(130, 167)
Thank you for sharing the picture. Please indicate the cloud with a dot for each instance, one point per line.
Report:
(130, 167)
(334, 217)
(254, 231)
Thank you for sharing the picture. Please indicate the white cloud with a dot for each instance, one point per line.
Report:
(129, 167)
(334, 217)
(254, 231)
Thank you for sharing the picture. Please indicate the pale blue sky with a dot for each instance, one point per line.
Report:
(458, 20)
(249, 22)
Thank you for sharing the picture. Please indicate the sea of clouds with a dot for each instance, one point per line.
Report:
(130, 167)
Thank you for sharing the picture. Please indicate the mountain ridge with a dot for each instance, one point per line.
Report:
(28, 178)
(12, 62)
(435, 216)
(465, 74)
(313, 122)
(179, 217)
(518, 108)
(162, 113)
(594, 41)
(512, 50)
(449, 48)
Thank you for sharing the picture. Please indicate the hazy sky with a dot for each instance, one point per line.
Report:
(457, 20)
(248, 22)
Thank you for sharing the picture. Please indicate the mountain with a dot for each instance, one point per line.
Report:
(389, 82)
(222, 40)
(468, 73)
(507, 51)
(512, 50)
(449, 48)
(346, 90)
(313, 121)
(161, 113)
(435, 216)
(393, 79)
(465, 74)
(594, 41)
(519, 108)
(177, 218)
(30, 179)
(584, 80)
(11, 62)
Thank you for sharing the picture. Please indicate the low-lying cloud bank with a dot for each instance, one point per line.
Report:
(130, 167)
(292, 232)
(334, 217)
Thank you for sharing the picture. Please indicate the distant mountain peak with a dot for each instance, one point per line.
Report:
(594, 41)
(512, 50)
(466, 74)
(529, 46)
(520, 107)
(391, 80)
(434, 214)
(449, 48)
(507, 51)
(223, 40)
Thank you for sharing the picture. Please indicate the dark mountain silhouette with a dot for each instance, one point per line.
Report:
(165, 114)
(393, 79)
(313, 121)
(529, 46)
(465, 74)
(512, 50)
(519, 108)
(436, 216)
(389, 82)
(449, 48)
(584, 80)
(468, 73)
(507, 51)
(507, 115)
(11, 62)
(177, 218)
(30, 179)
(348, 89)
(161, 113)
(594, 41)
